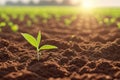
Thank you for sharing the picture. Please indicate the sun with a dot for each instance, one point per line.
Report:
(87, 4)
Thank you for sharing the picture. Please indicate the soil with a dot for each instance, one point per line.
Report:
(86, 51)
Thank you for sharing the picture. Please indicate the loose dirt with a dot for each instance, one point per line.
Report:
(86, 51)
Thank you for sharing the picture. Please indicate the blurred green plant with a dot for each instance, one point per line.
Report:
(118, 25)
(13, 27)
(29, 23)
(2, 24)
(106, 21)
(112, 20)
(67, 22)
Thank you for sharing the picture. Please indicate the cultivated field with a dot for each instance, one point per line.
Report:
(88, 43)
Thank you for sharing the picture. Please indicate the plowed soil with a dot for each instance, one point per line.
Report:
(86, 51)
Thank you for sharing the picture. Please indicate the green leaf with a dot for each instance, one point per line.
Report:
(2, 24)
(47, 47)
(38, 39)
(30, 39)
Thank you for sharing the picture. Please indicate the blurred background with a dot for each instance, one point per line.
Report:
(95, 3)
(62, 12)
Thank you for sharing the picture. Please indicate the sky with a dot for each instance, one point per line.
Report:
(107, 3)
(96, 3)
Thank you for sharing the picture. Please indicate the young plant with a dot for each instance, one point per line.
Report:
(67, 22)
(112, 20)
(118, 25)
(107, 21)
(2, 24)
(36, 43)
(29, 23)
(14, 28)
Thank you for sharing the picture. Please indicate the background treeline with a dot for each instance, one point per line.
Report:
(42, 3)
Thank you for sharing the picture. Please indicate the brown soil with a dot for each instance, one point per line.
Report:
(86, 51)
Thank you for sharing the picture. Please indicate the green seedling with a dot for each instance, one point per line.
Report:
(57, 17)
(14, 28)
(67, 22)
(107, 21)
(2, 24)
(73, 18)
(112, 20)
(10, 24)
(5, 16)
(29, 23)
(36, 43)
(44, 20)
(100, 22)
(21, 18)
(118, 24)
(14, 16)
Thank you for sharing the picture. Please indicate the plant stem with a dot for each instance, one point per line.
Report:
(38, 55)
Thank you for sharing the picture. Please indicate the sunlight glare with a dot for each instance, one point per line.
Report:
(87, 4)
